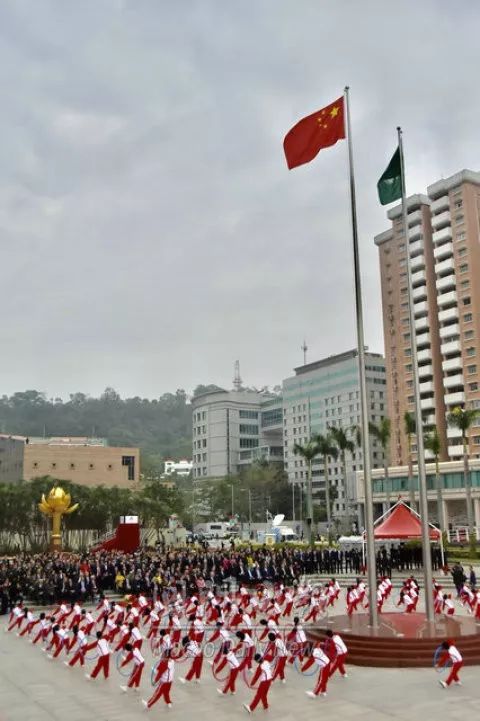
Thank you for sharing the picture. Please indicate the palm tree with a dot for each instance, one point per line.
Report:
(463, 418)
(344, 444)
(326, 448)
(308, 452)
(433, 443)
(410, 430)
(382, 433)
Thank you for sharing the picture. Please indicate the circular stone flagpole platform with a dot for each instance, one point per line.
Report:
(401, 640)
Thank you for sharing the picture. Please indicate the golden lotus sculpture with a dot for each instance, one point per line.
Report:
(56, 505)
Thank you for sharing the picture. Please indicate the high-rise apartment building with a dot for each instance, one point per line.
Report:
(326, 394)
(444, 246)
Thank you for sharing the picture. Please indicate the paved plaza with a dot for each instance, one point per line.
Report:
(33, 688)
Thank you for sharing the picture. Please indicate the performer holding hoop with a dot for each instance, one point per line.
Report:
(448, 655)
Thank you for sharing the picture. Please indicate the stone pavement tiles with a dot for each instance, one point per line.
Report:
(33, 688)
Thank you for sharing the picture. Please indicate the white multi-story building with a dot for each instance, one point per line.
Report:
(323, 395)
(231, 429)
(179, 468)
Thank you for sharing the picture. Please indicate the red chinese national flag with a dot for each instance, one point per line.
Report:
(318, 130)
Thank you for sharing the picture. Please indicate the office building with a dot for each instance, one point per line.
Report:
(232, 429)
(444, 246)
(326, 394)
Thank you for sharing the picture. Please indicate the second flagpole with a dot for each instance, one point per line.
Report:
(422, 477)
(367, 475)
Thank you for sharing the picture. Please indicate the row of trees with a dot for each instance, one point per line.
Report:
(338, 441)
(161, 427)
(260, 488)
(23, 526)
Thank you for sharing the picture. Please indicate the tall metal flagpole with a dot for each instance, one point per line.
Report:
(367, 475)
(422, 476)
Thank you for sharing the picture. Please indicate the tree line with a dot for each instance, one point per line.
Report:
(161, 427)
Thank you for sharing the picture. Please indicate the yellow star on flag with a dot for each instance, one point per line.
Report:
(334, 111)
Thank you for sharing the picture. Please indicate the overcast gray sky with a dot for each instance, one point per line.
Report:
(151, 233)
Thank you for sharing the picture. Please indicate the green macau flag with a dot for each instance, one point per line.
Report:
(390, 184)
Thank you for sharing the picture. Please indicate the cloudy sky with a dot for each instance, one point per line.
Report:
(151, 233)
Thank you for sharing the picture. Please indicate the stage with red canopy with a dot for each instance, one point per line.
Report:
(402, 522)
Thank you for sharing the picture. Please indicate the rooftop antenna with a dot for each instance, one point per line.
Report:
(237, 381)
(304, 348)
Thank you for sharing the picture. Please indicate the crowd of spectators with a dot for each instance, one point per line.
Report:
(51, 577)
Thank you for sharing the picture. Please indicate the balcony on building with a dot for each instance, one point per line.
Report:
(448, 314)
(442, 236)
(426, 387)
(447, 299)
(453, 432)
(430, 420)
(427, 403)
(454, 399)
(439, 206)
(421, 323)
(452, 364)
(448, 282)
(451, 347)
(425, 371)
(445, 267)
(419, 278)
(419, 293)
(451, 331)
(423, 341)
(417, 263)
(420, 308)
(455, 451)
(416, 248)
(414, 220)
(424, 355)
(443, 251)
(454, 381)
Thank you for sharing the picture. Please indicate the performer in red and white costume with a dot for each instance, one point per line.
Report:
(76, 615)
(30, 623)
(103, 661)
(452, 653)
(17, 615)
(234, 664)
(264, 673)
(163, 683)
(247, 645)
(281, 655)
(138, 666)
(298, 639)
(438, 600)
(477, 608)
(340, 655)
(407, 601)
(193, 651)
(80, 639)
(352, 600)
(175, 627)
(45, 625)
(448, 605)
(88, 621)
(323, 663)
(288, 604)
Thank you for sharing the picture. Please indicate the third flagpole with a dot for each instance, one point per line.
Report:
(367, 475)
(422, 477)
